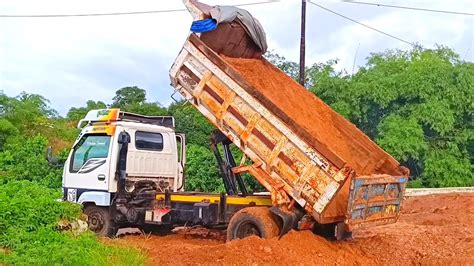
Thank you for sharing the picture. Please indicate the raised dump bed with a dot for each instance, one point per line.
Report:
(302, 150)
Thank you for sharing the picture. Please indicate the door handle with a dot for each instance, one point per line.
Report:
(101, 177)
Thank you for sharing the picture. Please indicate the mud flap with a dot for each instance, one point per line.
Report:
(375, 200)
(287, 218)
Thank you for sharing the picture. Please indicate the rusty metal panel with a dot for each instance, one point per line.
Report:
(375, 200)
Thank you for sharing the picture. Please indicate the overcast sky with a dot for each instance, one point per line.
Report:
(71, 60)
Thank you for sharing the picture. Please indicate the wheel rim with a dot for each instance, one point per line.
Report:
(247, 229)
(96, 221)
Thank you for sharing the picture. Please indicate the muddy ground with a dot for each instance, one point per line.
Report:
(433, 230)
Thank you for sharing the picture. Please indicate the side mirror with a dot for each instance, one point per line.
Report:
(123, 138)
(53, 161)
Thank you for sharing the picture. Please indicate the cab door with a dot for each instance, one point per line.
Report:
(88, 164)
(152, 155)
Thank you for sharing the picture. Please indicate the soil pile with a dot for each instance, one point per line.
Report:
(433, 230)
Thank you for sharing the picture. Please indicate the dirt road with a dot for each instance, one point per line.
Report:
(433, 230)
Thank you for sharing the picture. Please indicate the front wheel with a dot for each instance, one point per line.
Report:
(258, 221)
(99, 221)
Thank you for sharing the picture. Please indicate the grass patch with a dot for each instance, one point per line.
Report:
(28, 219)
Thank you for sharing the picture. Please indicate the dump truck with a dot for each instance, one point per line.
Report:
(304, 153)
(320, 172)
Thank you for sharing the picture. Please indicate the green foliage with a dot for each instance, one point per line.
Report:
(202, 173)
(25, 159)
(49, 247)
(29, 214)
(292, 69)
(133, 99)
(29, 113)
(403, 138)
(197, 128)
(29, 186)
(418, 183)
(414, 104)
(7, 129)
(129, 96)
(29, 206)
(447, 167)
(77, 113)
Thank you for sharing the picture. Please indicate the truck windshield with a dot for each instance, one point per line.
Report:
(89, 147)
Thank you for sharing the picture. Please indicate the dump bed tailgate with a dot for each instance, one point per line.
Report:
(375, 199)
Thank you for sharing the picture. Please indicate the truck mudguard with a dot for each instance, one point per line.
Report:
(99, 198)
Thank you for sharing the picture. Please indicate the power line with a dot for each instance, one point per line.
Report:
(362, 24)
(93, 14)
(119, 13)
(411, 8)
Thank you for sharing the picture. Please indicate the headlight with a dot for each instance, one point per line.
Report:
(72, 195)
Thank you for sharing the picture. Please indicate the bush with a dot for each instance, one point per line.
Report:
(29, 214)
(201, 170)
(27, 206)
(25, 159)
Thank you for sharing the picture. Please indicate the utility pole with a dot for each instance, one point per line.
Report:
(303, 41)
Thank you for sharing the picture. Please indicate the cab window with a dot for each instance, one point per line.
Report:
(89, 147)
(148, 141)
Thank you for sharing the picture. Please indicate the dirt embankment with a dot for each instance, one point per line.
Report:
(433, 230)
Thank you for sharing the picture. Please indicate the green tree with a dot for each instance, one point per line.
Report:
(201, 170)
(414, 104)
(147, 108)
(7, 129)
(29, 113)
(129, 96)
(133, 99)
(77, 113)
(190, 121)
(292, 69)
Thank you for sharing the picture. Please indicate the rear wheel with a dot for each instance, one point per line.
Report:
(250, 221)
(99, 221)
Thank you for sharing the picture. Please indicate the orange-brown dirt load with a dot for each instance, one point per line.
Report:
(325, 126)
(317, 118)
(433, 230)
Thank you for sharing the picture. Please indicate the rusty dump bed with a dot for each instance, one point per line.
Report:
(301, 148)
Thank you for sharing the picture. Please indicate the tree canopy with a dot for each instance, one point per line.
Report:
(417, 105)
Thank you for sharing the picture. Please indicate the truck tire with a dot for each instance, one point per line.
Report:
(250, 221)
(99, 221)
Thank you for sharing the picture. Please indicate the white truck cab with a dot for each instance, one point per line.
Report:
(156, 156)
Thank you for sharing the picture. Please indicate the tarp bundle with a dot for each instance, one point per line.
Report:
(251, 25)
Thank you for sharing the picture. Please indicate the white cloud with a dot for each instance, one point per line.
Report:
(71, 60)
